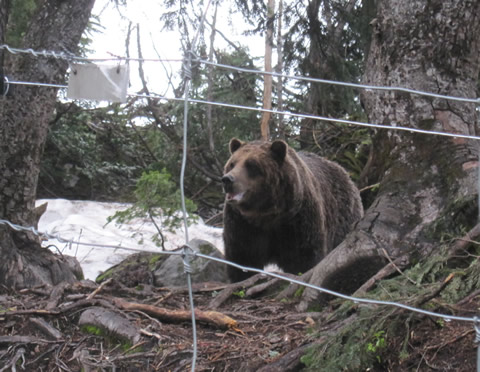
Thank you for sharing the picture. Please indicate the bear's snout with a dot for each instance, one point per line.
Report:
(227, 181)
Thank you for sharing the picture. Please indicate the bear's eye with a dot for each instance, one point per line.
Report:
(232, 165)
(253, 169)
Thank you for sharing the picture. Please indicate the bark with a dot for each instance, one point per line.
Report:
(4, 12)
(424, 179)
(57, 26)
(267, 80)
(280, 129)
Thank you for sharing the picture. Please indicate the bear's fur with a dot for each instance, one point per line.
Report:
(284, 207)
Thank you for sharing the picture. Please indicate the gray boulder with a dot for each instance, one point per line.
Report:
(170, 272)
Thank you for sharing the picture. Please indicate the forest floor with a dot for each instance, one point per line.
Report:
(40, 331)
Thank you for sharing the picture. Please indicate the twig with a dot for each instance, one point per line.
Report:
(19, 354)
(229, 290)
(158, 229)
(100, 287)
(463, 242)
(387, 256)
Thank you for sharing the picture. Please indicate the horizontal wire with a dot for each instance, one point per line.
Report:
(251, 269)
(242, 69)
(70, 241)
(342, 83)
(286, 113)
(337, 294)
(72, 57)
(316, 117)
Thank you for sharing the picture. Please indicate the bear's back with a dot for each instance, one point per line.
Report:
(343, 205)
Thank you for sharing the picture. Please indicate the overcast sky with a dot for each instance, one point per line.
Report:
(158, 43)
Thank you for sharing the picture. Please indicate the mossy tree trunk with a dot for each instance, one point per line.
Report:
(24, 117)
(427, 183)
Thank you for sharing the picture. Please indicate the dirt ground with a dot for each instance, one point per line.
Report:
(40, 331)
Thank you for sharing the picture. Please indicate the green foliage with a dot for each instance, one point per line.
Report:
(90, 154)
(240, 293)
(376, 344)
(93, 330)
(156, 197)
(371, 332)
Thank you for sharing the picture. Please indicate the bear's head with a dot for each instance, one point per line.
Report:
(257, 178)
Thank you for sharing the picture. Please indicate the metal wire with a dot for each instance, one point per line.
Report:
(69, 56)
(187, 68)
(359, 300)
(187, 251)
(286, 113)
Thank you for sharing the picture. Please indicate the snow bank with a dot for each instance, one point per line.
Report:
(85, 222)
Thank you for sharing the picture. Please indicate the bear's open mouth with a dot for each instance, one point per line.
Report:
(230, 196)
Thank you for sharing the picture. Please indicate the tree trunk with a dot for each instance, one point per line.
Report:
(56, 26)
(280, 125)
(4, 11)
(427, 182)
(267, 80)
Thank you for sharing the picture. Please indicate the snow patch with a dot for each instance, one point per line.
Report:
(86, 222)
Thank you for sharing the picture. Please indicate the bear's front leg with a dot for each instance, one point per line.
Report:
(245, 245)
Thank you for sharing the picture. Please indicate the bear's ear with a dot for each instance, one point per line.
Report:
(279, 150)
(235, 144)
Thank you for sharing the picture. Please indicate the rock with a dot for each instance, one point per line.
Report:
(164, 270)
(108, 323)
(171, 271)
(136, 269)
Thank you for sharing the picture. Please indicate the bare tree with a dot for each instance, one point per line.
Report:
(425, 181)
(267, 85)
(56, 26)
(279, 69)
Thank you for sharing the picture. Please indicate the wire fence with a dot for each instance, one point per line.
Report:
(189, 254)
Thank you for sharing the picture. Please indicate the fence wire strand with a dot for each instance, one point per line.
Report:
(194, 253)
(187, 252)
(187, 70)
(68, 56)
(275, 112)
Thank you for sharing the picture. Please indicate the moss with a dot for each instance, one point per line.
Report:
(152, 262)
(93, 330)
(109, 338)
(299, 292)
(371, 333)
(206, 249)
(105, 275)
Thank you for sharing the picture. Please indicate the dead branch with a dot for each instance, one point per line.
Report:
(22, 340)
(288, 362)
(46, 328)
(210, 317)
(230, 289)
(55, 295)
(462, 243)
(99, 288)
(19, 354)
(386, 271)
(292, 288)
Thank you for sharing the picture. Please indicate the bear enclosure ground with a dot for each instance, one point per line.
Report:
(40, 331)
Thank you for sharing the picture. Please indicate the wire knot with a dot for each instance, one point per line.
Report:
(187, 253)
(477, 329)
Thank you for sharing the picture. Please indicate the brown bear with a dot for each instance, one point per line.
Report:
(284, 207)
